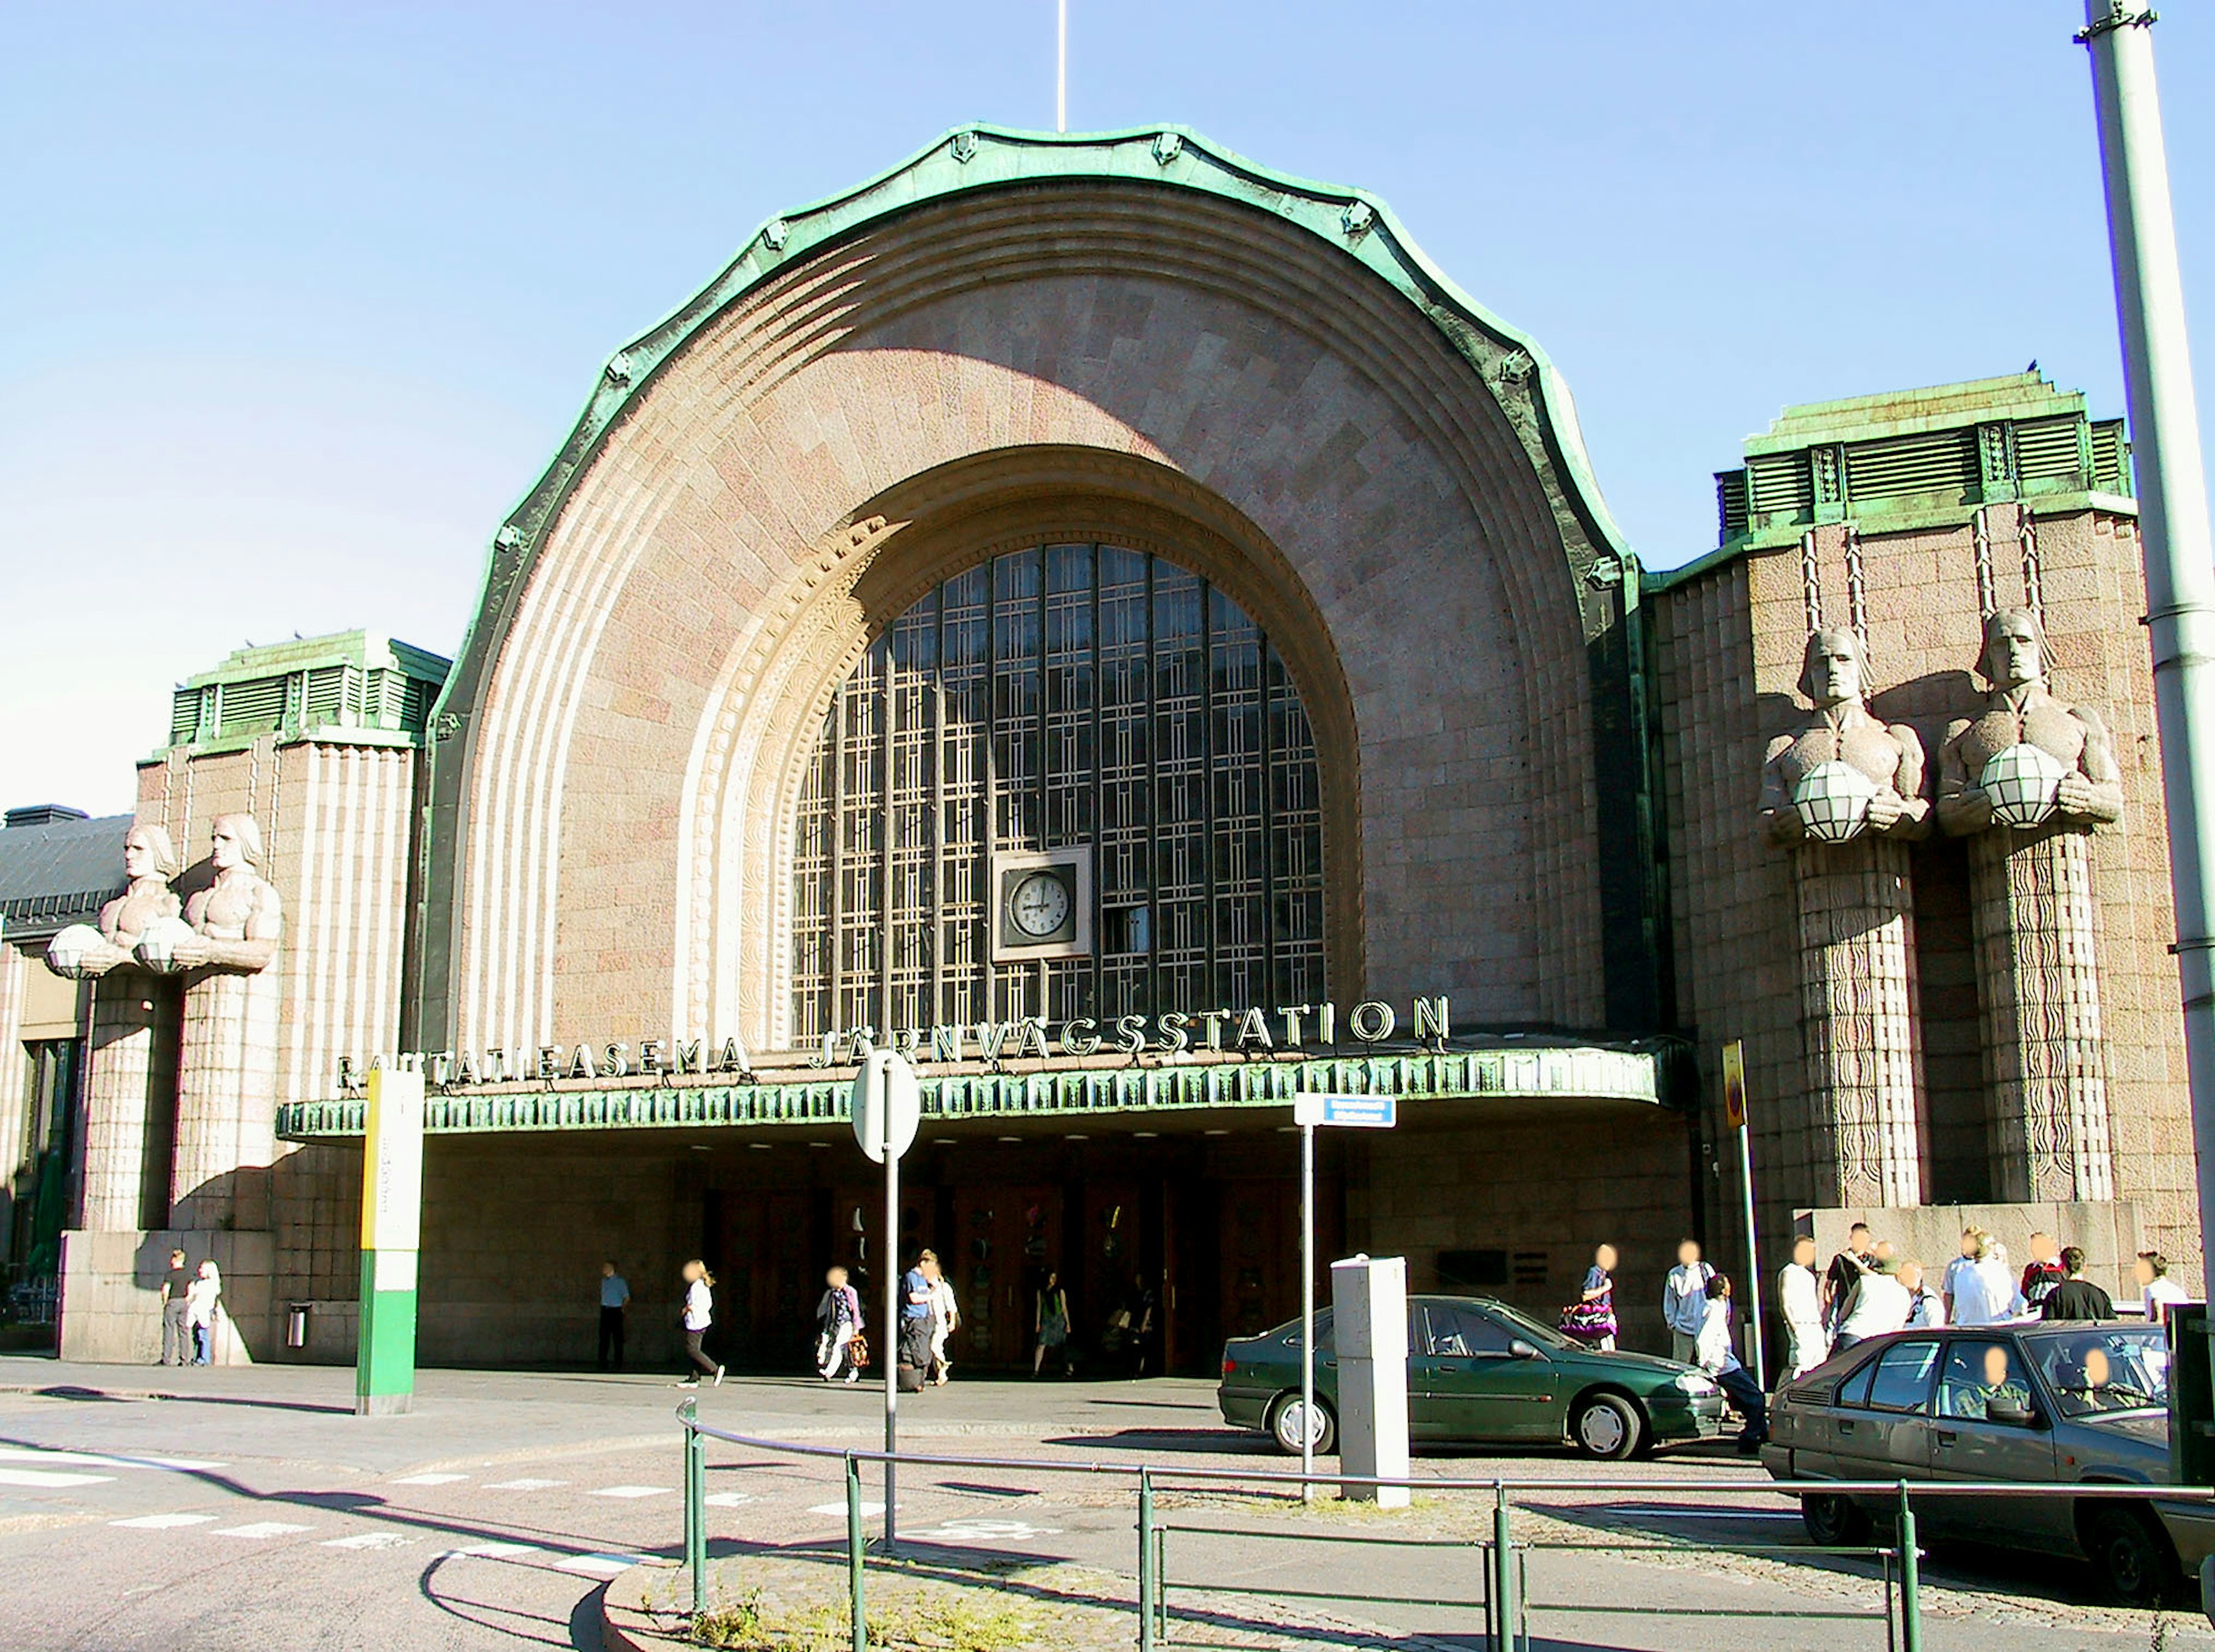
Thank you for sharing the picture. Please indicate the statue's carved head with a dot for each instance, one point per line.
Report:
(234, 840)
(1835, 668)
(148, 853)
(2014, 652)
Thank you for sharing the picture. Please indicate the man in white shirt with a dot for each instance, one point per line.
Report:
(1880, 1305)
(1685, 1302)
(1926, 1308)
(1714, 1355)
(1799, 1295)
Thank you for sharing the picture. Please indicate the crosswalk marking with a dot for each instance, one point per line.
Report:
(102, 1460)
(599, 1565)
(867, 1509)
(48, 1477)
(524, 1485)
(429, 1479)
(496, 1550)
(632, 1491)
(164, 1522)
(368, 1540)
(258, 1529)
(730, 1499)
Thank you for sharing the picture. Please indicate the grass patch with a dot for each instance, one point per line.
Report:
(755, 1625)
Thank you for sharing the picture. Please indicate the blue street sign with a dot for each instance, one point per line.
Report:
(1364, 1112)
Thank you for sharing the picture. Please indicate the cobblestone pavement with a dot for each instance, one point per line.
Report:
(251, 1507)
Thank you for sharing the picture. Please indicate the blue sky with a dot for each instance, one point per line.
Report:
(297, 300)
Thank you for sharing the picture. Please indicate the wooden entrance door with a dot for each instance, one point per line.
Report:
(1006, 1236)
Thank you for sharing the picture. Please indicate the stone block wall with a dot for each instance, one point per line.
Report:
(1726, 653)
(111, 1294)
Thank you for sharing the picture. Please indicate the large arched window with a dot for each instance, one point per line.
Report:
(1070, 697)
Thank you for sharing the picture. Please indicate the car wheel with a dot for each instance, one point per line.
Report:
(1833, 1522)
(1608, 1427)
(2131, 1553)
(1285, 1427)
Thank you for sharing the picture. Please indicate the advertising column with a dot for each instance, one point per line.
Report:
(391, 1234)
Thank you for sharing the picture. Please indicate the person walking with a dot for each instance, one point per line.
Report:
(699, 1314)
(2042, 1272)
(177, 1327)
(1799, 1297)
(1715, 1355)
(2076, 1296)
(1926, 1309)
(1591, 1319)
(1844, 1272)
(1879, 1306)
(1684, 1301)
(202, 1296)
(837, 1322)
(614, 1308)
(1050, 1327)
(916, 1317)
(2157, 1290)
(945, 1316)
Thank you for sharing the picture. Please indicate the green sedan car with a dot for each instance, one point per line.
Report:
(1480, 1371)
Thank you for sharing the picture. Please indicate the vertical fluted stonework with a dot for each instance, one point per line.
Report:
(1857, 993)
(2039, 982)
(130, 1100)
(226, 1102)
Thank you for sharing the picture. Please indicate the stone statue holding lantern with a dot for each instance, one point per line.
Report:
(234, 923)
(2028, 760)
(1845, 772)
(1843, 794)
(147, 907)
(2026, 781)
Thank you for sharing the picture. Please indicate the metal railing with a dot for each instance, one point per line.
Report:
(1504, 1598)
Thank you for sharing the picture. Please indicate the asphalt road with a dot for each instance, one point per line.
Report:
(252, 1507)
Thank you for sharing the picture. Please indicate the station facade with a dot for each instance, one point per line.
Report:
(1119, 624)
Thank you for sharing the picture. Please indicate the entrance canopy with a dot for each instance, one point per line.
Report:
(1553, 1078)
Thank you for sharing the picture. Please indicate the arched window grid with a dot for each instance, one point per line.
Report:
(1063, 696)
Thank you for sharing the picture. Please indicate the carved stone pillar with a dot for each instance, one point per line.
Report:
(1857, 995)
(129, 1100)
(2039, 984)
(226, 1102)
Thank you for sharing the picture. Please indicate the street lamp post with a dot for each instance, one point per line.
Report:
(2172, 492)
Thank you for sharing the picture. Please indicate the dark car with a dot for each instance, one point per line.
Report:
(2045, 1404)
(1480, 1371)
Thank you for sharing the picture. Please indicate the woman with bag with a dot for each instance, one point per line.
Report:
(1591, 1317)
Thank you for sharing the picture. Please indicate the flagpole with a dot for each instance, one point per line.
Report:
(1061, 70)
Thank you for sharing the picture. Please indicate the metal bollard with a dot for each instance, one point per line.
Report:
(1162, 1581)
(1503, 1580)
(1910, 1578)
(857, 1547)
(696, 1510)
(1145, 1560)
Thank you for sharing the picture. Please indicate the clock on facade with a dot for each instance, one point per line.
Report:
(1045, 898)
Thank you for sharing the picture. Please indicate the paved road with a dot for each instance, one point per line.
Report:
(251, 1507)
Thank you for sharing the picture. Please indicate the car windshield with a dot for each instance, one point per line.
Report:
(2094, 1372)
(1527, 1328)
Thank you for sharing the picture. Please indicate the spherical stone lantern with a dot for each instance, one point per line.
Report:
(67, 951)
(2022, 782)
(157, 945)
(1832, 801)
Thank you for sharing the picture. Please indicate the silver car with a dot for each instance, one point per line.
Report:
(2050, 1404)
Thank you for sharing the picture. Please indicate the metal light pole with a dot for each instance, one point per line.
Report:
(2172, 491)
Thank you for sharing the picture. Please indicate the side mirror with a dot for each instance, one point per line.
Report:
(1519, 1350)
(2015, 1417)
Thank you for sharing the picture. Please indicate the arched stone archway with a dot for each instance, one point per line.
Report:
(1385, 479)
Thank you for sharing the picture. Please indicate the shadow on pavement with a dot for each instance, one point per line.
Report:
(1213, 1442)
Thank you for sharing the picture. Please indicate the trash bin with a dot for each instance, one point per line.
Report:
(296, 1325)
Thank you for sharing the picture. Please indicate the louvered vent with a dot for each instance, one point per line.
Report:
(1939, 461)
(249, 706)
(327, 695)
(1779, 481)
(2111, 458)
(184, 717)
(2046, 450)
(415, 704)
(1730, 504)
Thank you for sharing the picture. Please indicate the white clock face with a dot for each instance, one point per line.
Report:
(1040, 905)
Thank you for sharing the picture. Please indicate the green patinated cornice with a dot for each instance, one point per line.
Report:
(1508, 363)
(1558, 1075)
